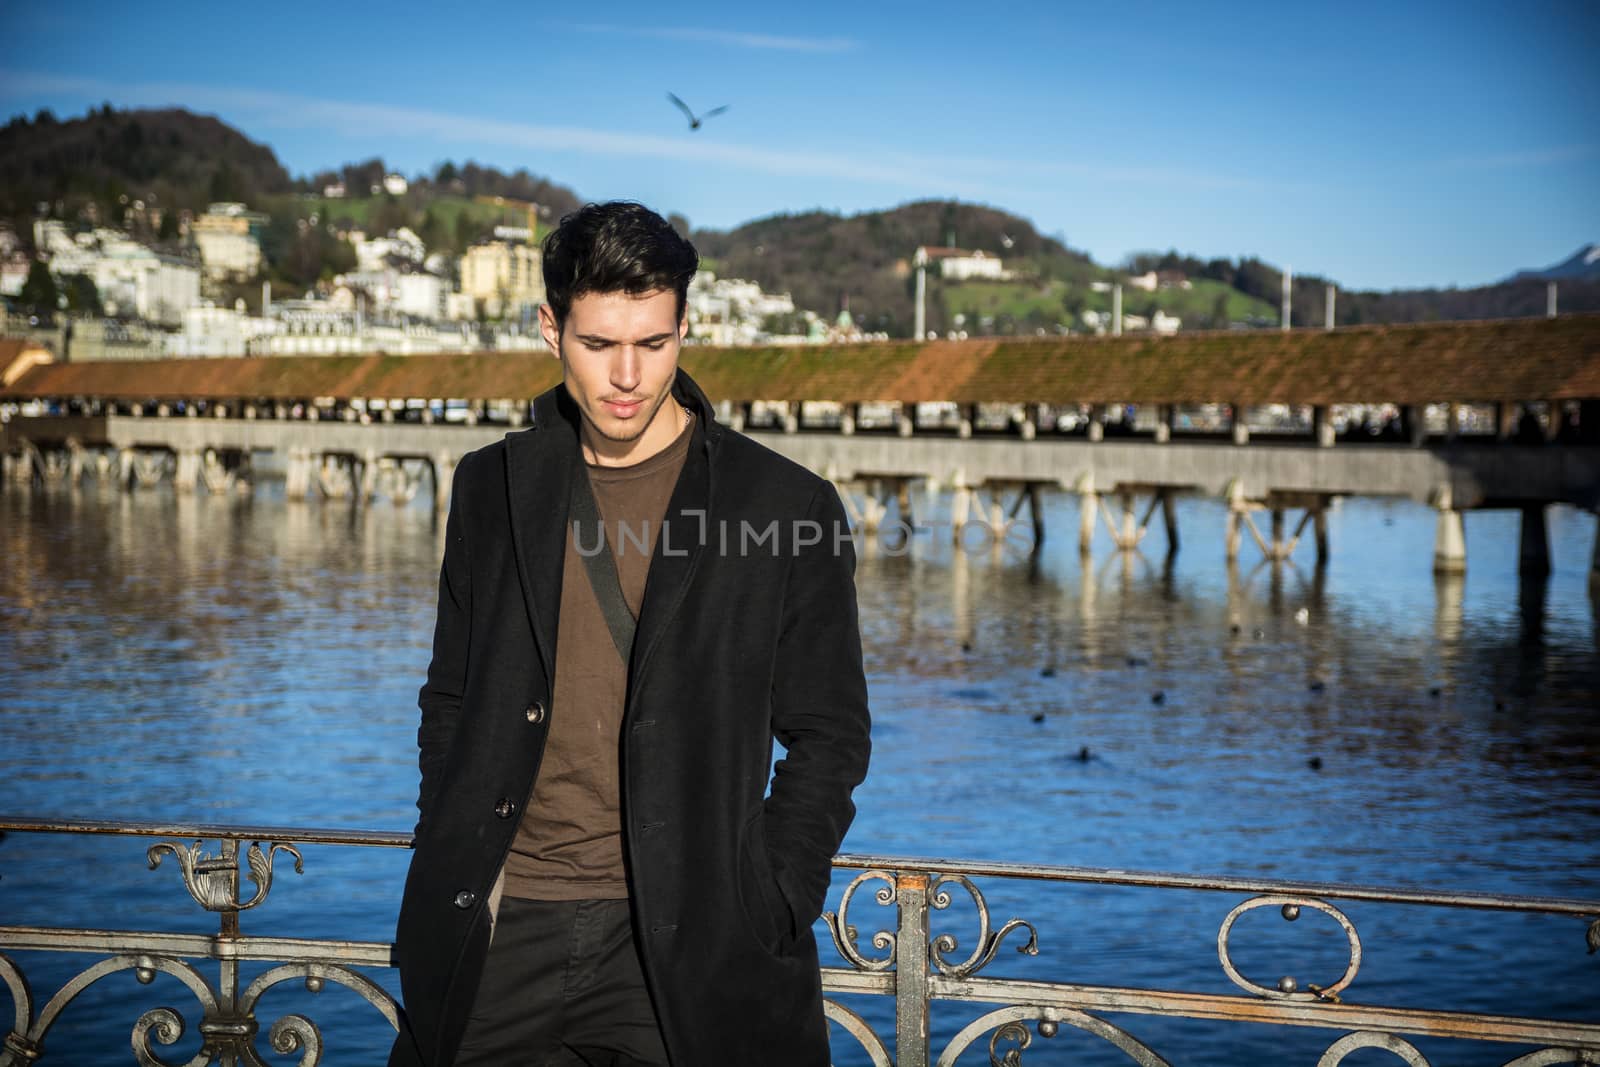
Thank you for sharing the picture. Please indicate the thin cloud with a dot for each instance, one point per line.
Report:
(980, 176)
(1538, 157)
(727, 38)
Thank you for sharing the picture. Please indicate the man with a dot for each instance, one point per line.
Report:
(603, 873)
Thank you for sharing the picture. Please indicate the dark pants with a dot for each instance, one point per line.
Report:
(562, 987)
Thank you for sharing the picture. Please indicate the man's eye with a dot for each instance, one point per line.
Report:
(595, 346)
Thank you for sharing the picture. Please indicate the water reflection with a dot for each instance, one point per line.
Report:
(252, 660)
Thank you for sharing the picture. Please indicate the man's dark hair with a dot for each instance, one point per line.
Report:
(615, 247)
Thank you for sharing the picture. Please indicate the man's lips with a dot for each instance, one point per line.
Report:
(623, 409)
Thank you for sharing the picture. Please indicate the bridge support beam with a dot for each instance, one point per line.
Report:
(1241, 429)
(1097, 422)
(1534, 552)
(1280, 548)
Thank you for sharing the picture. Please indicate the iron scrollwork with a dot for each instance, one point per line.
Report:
(1010, 1028)
(845, 934)
(213, 880)
(988, 943)
(1288, 988)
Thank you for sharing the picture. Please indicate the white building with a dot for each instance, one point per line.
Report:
(395, 184)
(960, 264)
(731, 311)
(422, 296)
(374, 253)
(212, 331)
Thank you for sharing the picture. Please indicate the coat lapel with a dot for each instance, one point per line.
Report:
(685, 531)
(539, 464)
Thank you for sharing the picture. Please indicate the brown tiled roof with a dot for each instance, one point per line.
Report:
(1523, 359)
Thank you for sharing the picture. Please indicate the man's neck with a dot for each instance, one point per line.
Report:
(669, 421)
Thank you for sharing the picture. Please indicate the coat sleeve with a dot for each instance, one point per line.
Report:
(819, 713)
(440, 696)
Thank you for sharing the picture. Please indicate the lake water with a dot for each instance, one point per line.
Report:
(249, 660)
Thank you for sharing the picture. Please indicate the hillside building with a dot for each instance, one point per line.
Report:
(505, 277)
(960, 264)
(228, 236)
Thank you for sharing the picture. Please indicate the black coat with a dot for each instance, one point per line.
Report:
(742, 637)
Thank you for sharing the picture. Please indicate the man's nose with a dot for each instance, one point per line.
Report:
(625, 368)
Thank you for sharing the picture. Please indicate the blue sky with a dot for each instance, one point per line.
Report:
(1383, 145)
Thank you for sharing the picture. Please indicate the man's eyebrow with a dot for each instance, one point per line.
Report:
(601, 339)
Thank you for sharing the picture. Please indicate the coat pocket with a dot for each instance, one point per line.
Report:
(765, 913)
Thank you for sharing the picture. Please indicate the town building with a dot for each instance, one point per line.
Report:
(960, 264)
(506, 278)
(228, 236)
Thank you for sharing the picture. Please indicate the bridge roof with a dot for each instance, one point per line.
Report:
(1462, 362)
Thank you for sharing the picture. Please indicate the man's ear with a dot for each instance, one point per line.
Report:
(683, 328)
(549, 329)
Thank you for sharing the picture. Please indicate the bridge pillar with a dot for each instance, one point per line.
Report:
(791, 417)
(1594, 565)
(960, 509)
(1449, 541)
(1237, 506)
(968, 419)
(1097, 422)
(444, 472)
(366, 480)
(847, 419)
(297, 484)
(1241, 429)
(1030, 422)
(1088, 506)
(1322, 428)
(903, 424)
(740, 414)
(1535, 542)
(74, 461)
(1169, 515)
(187, 474)
(1163, 423)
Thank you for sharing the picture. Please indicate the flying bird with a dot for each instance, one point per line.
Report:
(695, 121)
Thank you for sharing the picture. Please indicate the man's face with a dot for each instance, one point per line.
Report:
(619, 354)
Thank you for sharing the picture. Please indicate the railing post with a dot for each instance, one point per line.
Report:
(911, 971)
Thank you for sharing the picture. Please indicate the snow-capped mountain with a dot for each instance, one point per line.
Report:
(1584, 265)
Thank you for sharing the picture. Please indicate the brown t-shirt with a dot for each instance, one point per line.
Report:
(569, 843)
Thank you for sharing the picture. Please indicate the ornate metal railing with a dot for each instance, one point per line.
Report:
(905, 961)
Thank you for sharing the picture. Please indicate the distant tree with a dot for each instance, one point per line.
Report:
(1219, 312)
(679, 222)
(38, 293)
(391, 215)
(169, 226)
(445, 174)
(225, 184)
(82, 295)
(466, 231)
(359, 178)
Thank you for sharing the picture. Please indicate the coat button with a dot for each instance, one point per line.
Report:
(535, 712)
(466, 899)
(504, 808)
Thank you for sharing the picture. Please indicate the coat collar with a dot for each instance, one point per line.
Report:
(540, 463)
